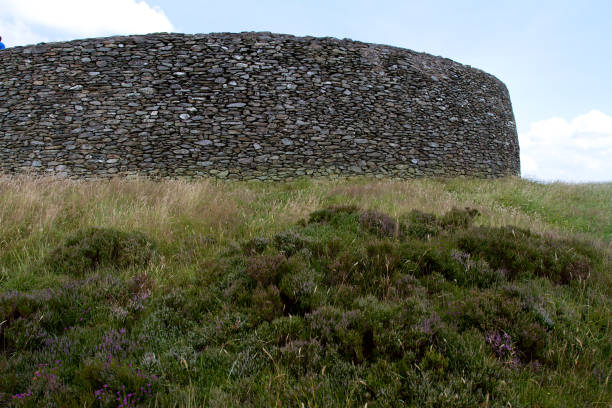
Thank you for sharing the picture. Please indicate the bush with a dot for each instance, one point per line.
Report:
(497, 314)
(255, 246)
(290, 242)
(300, 291)
(379, 224)
(521, 253)
(267, 304)
(458, 219)
(95, 248)
(476, 272)
(330, 213)
(420, 225)
(267, 269)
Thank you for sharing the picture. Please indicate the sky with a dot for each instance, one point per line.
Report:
(555, 57)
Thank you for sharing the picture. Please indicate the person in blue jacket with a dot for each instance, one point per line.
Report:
(1, 44)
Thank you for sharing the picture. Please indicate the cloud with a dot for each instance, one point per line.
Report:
(575, 151)
(24, 22)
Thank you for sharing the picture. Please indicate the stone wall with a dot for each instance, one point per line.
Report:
(250, 105)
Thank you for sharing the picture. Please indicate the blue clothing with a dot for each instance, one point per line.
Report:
(2, 46)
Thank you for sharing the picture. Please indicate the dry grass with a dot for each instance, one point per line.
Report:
(31, 207)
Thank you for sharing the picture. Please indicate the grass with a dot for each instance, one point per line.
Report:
(307, 293)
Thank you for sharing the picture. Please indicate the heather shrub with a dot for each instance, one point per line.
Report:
(267, 269)
(345, 329)
(521, 253)
(475, 272)
(331, 213)
(432, 257)
(267, 302)
(31, 319)
(284, 329)
(458, 218)
(434, 362)
(301, 290)
(420, 225)
(379, 224)
(116, 383)
(290, 242)
(255, 246)
(496, 313)
(423, 310)
(300, 356)
(425, 226)
(94, 248)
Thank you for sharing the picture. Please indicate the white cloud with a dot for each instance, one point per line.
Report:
(579, 150)
(27, 21)
(17, 32)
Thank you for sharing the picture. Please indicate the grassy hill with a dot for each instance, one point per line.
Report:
(313, 293)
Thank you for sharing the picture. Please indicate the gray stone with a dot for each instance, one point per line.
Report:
(254, 105)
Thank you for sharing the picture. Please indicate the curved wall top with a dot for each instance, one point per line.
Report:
(250, 105)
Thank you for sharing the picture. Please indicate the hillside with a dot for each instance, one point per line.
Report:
(313, 293)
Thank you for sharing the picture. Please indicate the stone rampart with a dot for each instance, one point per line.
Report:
(250, 105)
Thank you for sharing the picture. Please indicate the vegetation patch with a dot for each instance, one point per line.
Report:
(349, 307)
(95, 248)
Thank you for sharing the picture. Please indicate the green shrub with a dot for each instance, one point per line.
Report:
(285, 329)
(420, 225)
(458, 219)
(95, 248)
(255, 246)
(330, 213)
(430, 257)
(499, 314)
(290, 242)
(435, 362)
(267, 269)
(521, 253)
(301, 290)
(379, 224)
(300, 356)
(476, 272)
(267, 302)
(424, 226)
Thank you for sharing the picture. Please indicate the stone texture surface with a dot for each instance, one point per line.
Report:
(249, 105)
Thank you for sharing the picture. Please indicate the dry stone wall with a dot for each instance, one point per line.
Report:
(249, 105)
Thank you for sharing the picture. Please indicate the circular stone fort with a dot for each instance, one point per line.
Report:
(249, 106)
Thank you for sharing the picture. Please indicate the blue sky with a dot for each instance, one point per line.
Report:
(554, 56)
